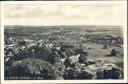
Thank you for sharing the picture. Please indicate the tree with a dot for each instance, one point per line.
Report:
(67, 62)
(54, 58)
(83, 59)
(115, 73)
(100, 74)
(62, 54)
(70, 74)
(26, 68)
(85, 75)
(104, 46)
(113, 52)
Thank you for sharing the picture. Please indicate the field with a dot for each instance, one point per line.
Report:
(63, 52)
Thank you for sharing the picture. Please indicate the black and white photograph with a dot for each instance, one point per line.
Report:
(65, 41)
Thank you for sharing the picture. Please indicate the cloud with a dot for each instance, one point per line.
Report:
(65, 13)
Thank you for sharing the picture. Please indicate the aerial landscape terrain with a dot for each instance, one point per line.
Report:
(65, 52)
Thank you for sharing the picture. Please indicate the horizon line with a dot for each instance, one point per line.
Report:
(66, 25)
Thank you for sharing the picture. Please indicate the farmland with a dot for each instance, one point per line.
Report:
(68, 52)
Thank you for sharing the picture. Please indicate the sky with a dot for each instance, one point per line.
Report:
(63, 14)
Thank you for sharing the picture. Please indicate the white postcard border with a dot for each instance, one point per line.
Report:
(64, 81)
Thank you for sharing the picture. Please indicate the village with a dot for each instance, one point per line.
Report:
(63, 52)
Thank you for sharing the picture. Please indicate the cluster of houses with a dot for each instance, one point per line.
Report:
(57, 39)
